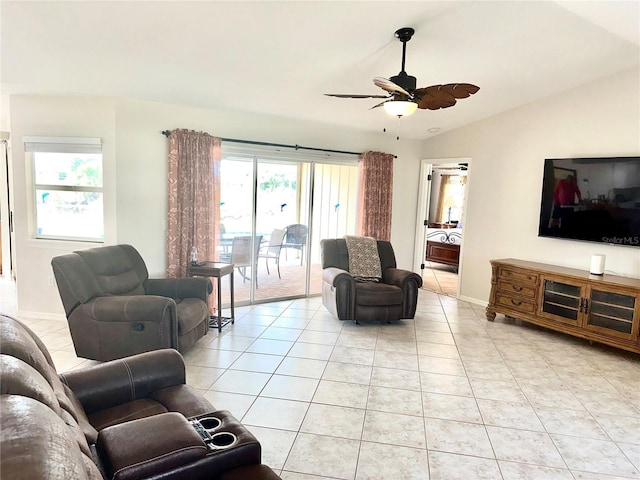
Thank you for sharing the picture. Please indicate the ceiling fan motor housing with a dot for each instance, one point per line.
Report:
(405, 81)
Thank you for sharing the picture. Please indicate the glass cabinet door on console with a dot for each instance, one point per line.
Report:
(611, 313)
(561, 301)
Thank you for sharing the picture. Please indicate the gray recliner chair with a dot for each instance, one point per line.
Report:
(393, 298)
(115, 310)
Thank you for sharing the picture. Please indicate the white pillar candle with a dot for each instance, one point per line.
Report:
(597, 264)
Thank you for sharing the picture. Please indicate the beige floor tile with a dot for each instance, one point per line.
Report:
(238, 381)
(302, 367)
(342, 394)
(202, 377)
(447, 466)
(523, 446)
(509, 414)
(323, 338)
(290, 388)
(437, 350)
(448, 366)
(310, 350)
(271, 347)
(257, 362)
(209, 357)
(596, 456)
(458, 437)
(334, 421)
(394, 429)
(522, 471)
(276, 413)
(391, 462)
(276, 445)
(393, 378)
(235, 403)
(280, 333)
(577, 423)
(359, 356)
(507, 391)
(397, 360)
(624, 429)
(395, 400)
(230, 342)
(319, 455)
(450, 407)
(347, 372)
(446, 384)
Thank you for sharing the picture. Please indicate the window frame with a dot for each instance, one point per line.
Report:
(65, 145)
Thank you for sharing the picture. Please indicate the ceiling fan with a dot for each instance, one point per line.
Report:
(403, 98)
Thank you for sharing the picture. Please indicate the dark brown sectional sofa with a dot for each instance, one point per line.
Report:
(126, 419)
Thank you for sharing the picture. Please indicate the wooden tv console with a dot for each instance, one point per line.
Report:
(600, 308)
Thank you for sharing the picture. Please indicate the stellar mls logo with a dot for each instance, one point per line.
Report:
(622, 240)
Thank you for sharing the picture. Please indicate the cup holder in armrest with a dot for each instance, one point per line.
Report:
(210, 423)
(222, 440)
(206, 428)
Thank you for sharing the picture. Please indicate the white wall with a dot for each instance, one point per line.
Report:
(505, 180)
(135, 156)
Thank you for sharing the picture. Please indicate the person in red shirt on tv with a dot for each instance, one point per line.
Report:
(564, 194)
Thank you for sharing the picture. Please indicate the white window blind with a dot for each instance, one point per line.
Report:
(63, 144)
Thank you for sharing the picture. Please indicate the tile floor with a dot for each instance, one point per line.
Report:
(440, 278)
(443, 397)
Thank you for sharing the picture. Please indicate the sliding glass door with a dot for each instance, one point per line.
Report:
(278, 208)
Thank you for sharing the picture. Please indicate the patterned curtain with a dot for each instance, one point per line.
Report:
(194, 198)
(374, 195)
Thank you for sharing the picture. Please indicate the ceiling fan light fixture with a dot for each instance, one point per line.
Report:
(400, 108)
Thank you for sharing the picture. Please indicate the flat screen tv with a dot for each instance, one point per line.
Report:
(591, 199)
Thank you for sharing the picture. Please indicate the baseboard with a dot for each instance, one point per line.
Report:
(475, 301)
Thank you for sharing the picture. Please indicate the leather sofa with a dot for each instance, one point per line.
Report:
(114, 309)
(126, 419)
(393, 298)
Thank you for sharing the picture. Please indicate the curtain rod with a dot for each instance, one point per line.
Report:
(166, 133)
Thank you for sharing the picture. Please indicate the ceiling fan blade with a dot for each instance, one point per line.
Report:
(379, 105)
(460, 90)
(443, 96)
(389, 86)
(344, 95)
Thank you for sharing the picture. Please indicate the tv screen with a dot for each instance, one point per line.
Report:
(592, 199)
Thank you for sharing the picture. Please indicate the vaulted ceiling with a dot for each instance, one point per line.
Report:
(278, 58)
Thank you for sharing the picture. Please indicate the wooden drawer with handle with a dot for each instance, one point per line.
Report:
(524, 289)
(518, 276)
(515, 303)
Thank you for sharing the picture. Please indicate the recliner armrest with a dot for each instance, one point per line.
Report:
(120, 381)
(179, 288)
(400, 277)
(334, 276)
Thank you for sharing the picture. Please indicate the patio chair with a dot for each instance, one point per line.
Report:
(273, 249)
(295, 237)
(241, 256)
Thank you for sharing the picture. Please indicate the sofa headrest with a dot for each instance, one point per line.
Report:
(18, 378)
(20, 342)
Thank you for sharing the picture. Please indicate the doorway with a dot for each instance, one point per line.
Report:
(283, 204)
(440, 224)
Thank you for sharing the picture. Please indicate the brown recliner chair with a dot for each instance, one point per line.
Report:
(394, 298)
(115, 310)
